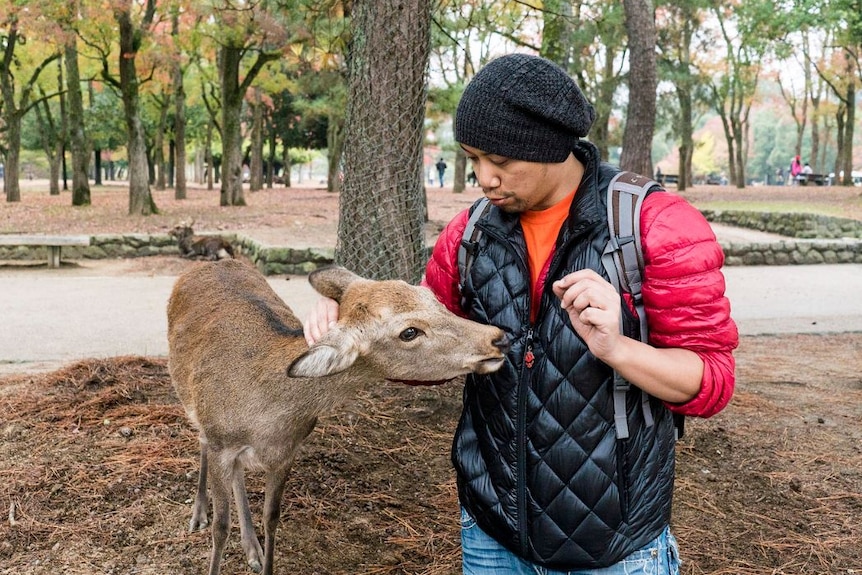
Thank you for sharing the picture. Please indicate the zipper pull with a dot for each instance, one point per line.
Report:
(529, 356)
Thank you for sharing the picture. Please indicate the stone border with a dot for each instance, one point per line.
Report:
(271, 260)
(789, 224)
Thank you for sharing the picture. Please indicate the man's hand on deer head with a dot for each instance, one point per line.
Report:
(323, 315)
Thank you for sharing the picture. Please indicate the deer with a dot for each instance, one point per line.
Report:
(200, 247)
(254, 388)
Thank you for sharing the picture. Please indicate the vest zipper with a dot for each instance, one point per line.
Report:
(523, 384)
(523, 388)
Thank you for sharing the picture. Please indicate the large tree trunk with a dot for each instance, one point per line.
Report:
(640, 117)
(380, 229)
(179, 123)
(231, 100)
(11, 118)
(78, 145)
(140, 199)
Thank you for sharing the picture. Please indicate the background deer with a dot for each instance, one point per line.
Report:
(253, 388)
(200, 247)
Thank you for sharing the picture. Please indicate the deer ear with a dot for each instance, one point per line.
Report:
(334, 353)
(332, 281)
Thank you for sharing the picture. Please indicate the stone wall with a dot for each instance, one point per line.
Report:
(792, 252)
(837, 240)
(791, 225)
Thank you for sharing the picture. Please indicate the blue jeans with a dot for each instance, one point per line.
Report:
(484, 556)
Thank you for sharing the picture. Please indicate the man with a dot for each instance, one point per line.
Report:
(545, 483)
(441, 170)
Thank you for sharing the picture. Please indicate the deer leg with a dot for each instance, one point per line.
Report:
(275, 482)
(199, 510)
(250, 544)
(220, 486)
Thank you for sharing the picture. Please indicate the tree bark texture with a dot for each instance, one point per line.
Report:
(640, 117)
(78, 145)
(140, 199)
(180, 186)
(231, 175)
(380, 231)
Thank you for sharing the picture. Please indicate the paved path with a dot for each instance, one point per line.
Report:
(49, 317)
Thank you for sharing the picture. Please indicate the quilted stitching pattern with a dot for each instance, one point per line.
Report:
(578, 490)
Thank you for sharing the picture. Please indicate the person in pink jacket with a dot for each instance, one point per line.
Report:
(547, 481)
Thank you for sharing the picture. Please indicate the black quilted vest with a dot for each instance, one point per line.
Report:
(538, 462)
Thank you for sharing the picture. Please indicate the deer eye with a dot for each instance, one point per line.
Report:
(410, 334)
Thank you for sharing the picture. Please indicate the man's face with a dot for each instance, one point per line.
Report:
(516, 186)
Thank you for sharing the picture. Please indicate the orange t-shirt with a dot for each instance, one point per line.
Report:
(541, 229)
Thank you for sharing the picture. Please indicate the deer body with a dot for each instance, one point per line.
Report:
(201, 247)
(254, 389)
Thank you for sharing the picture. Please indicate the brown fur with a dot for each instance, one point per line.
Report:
(200, 247)
(254, 389)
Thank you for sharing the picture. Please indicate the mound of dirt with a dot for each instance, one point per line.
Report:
(99, 468)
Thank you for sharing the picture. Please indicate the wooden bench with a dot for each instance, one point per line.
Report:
(816, 179)
(53, 243)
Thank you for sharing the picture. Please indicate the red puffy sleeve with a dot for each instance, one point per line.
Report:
(684, 299)
(441, 273)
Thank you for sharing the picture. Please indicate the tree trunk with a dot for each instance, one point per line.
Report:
(11, 185)
(208, 156)
(558, 32)
(79, 145)
(380, 229)
(50, 140)
(640, 117)
(686, 136)
(460, 171)
(140, 199)
(285, 160)
(11, 118)
(847, 155)
(840, 129)
(256, 163)
(159, 144)
(179, 123)
(231, 172)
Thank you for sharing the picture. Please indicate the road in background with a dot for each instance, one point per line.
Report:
(49, 318)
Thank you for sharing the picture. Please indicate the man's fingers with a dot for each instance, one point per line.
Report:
(323, 315)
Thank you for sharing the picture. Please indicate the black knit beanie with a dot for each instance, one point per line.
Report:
(525, 108)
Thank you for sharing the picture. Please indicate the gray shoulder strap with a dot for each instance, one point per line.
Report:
(623, 262)
(470, 240)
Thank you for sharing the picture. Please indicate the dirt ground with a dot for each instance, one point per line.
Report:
(98, 464)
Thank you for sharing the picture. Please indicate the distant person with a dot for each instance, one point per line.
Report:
(441, 170)
(806, 169)
(471, 178)
(795, 169)
(659, 176)
(779, 176)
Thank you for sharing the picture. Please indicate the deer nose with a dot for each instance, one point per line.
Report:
(503, 344)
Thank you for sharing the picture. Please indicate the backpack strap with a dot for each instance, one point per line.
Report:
(623, 262)
(470, 243)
